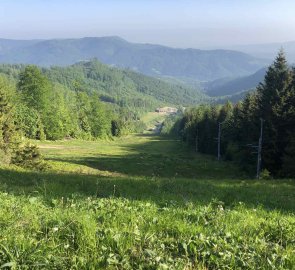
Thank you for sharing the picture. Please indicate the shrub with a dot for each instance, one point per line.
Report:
(29, 156)
(265, 174)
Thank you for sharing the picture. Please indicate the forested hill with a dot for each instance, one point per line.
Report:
(235, 86)
(155, 60)
(264, 120)
(123, 87)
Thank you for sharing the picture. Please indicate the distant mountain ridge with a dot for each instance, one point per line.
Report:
(235, 86)
(149, 59)
(268, 50)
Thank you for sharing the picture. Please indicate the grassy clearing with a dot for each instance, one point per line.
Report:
(151, 119)
(142, 202)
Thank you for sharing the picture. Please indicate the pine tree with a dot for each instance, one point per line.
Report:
(272, 96)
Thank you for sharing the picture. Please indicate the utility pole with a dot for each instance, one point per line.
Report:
(197, 138)
(259, 150)
(219, 141)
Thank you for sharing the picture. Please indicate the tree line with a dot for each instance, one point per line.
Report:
(34, 107)
(272, 104)
(46, 109)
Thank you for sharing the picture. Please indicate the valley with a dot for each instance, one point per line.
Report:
(147, 135)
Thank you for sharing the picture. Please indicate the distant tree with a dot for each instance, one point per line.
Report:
(83, 107)
(34, 88)
(99, 119)
(29, 122)
(59, 121)
(116, 128)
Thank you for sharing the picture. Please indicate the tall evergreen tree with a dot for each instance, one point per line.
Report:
(272, 96)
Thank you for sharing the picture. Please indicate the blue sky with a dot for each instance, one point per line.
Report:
(182, 23)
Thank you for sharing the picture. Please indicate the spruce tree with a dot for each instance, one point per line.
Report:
(272, 96)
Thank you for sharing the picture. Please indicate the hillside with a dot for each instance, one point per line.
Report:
(155, 60)
(122, 87)
(235, 86)
(142, 202)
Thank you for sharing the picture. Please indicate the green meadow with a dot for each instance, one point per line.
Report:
(142, 202)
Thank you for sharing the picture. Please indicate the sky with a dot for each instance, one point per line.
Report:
(176, 23)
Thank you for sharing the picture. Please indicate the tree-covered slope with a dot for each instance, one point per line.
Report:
(224, 87)
(148, 59)
(123, 87)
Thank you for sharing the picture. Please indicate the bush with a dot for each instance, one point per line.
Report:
(265, 174)
(29, 156)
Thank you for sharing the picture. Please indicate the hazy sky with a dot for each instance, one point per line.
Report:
(178, 23)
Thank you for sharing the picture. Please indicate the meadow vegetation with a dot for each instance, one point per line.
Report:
(142, 202)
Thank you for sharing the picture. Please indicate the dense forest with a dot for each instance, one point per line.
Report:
(271, 108)
(87, 100)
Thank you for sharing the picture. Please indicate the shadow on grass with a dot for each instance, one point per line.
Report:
(159, 170)
(269, 194)
(160, 157)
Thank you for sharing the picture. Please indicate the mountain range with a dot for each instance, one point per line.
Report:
(234, 86)
(149, 59)
(268, 50)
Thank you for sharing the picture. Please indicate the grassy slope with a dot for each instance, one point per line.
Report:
(143, 201)
(151, 119)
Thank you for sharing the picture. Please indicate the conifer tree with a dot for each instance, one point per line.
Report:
(272, 96)
(288, 127)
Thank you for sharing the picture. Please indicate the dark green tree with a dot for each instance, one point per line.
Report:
(288, 128)
(272, 96)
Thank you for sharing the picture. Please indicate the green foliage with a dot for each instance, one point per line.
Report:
(8, 132)
(273, 105)
(34, 88)
(29, 122)
(10, 149)
(265, 174)
(83, 100)
(116, 128)
(124, 88)
(29, 156)
(274, 102)
(99, 118)
(171, 125)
